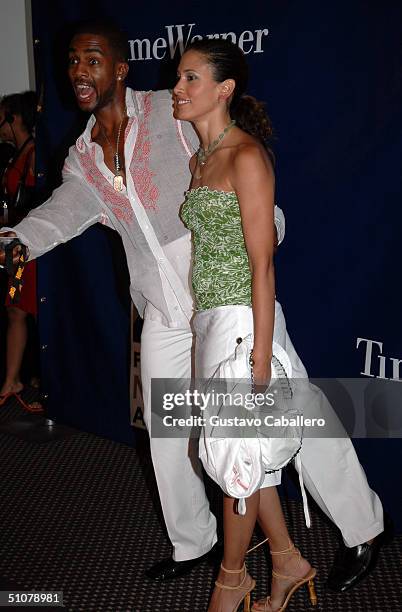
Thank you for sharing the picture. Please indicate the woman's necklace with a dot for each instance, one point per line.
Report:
(118, 177)
(203, 154)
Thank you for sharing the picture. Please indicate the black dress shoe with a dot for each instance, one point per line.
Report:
(351, 565)
(168, 569)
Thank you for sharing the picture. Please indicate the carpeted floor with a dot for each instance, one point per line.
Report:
(80, 514)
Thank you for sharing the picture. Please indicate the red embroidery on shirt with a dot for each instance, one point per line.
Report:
(80, 144)
(128, 127)
(118, 202)
(139, 167)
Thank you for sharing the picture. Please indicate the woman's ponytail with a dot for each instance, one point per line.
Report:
(250, 115)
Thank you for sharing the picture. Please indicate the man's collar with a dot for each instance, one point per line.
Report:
(130, 106)
(131, 112)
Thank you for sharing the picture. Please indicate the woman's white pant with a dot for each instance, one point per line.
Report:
(331, 470)
(216, 333)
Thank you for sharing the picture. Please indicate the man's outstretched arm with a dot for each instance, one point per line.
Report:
(70, 210)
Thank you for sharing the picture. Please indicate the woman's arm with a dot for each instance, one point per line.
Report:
(254, 182)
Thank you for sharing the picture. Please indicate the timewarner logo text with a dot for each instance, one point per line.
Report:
(179, 36)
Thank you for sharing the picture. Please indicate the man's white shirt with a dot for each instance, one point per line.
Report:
(146, 214)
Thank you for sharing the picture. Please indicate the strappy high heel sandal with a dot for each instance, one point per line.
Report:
(308, 579)
(246, 597)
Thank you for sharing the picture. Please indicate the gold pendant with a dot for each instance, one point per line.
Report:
(118, 182)
(197, 167)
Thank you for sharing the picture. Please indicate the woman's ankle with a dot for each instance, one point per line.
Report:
(291, 565)
(231, 574)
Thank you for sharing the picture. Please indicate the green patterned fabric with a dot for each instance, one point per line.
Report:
(221, 273)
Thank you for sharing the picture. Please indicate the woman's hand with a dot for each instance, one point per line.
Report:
(261, 373)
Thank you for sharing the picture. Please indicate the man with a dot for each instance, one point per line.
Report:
(129, 169)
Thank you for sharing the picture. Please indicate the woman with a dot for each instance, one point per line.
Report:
(17, 120)
(230, 208)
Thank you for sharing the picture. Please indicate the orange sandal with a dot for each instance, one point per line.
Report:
(308, 579)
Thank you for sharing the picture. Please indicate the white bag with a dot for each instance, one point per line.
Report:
(239, 464)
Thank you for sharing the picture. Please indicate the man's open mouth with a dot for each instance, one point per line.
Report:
(84, 91)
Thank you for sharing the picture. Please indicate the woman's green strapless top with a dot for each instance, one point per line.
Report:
(221, 273)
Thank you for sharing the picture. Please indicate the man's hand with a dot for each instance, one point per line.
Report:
(16, 249)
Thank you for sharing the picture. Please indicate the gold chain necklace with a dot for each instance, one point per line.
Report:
(118, 177)
(203, 154)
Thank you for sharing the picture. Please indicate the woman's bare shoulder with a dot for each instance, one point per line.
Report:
(250, 154)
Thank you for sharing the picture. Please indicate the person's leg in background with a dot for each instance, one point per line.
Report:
(17, 334)
(17, 340)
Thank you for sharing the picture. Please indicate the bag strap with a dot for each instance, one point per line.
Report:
(298, 465)
(15, 271)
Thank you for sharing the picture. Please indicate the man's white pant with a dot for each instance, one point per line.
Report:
(331, 470)
(166, 353)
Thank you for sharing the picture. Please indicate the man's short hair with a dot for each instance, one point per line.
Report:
(116, 38)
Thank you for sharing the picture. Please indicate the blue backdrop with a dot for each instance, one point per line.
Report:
(331, 76)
